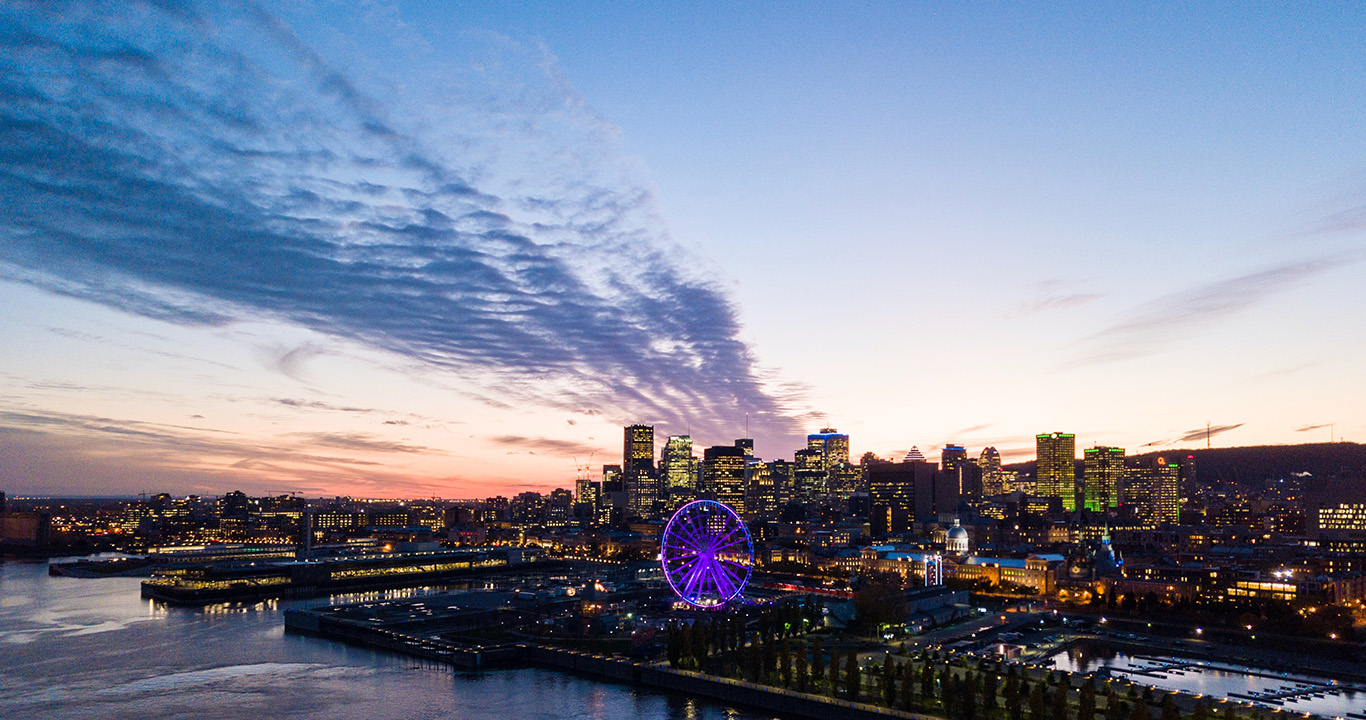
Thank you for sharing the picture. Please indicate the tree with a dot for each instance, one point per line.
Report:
(1139, 710)
(754, 667)
(1086, 700)
(1060, 700)
(1013, 698)
(834, 682)
(1169, 709)
(879, 603)
(1200, 711)
(803, 677)
(675, 645)
(908, 686)
(851, 676)
(990, 706)
(1036, 705)
(685, 645)
(770, 655)
(948, 694)
(967, 696)
(889, 674)
(817, 661)
(1116, 709)
(785, 663)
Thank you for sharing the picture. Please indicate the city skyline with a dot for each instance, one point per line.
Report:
(395, 251)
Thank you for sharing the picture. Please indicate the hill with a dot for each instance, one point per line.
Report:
(1255, 463)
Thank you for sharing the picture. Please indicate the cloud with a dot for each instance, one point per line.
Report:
(360, 442)
(1052, 295)
(47, 451)
(208, 168)
(1204, 432)
(1162, 322)
(1307, 428)
(548, 446)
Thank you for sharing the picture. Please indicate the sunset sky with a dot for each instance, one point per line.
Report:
(443, 250)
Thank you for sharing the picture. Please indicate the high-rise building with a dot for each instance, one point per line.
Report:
(762, 495)
(746, 444)
(808, 476)
(952, 457)
(832, 445)
(639, 448)
(1056, 474)
(1155, 488)
(677, 464)
(961, 472)
(642, 492)
(723, 475)
(993, 475)
(898, 492)
(1103, 478)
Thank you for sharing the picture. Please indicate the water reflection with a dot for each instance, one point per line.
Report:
(1274, 690)
(75, 648)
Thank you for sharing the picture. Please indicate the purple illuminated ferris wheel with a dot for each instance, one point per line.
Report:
(706, 553)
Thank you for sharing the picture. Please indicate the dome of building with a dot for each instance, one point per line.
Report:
(956, 542)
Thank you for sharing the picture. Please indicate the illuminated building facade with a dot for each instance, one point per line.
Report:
(832, 445)
(1056, 473)
(1104, 477)
(993, 475)
(639, 448)
(809, 477)
(678, 465)
(723, 475)
(1156, 489)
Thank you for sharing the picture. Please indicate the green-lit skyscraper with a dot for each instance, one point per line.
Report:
(1104, 477)
(1057, 467)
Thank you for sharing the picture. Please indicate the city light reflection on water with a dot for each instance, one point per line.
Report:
(75, 648)
(1218, 680)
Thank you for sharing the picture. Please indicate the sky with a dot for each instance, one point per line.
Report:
(449, 250)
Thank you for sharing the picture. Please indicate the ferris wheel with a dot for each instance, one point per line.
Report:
(707, 553)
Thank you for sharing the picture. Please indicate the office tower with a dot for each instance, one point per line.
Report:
(1103, 478)
(897, 493)
(642, 492)
(1056, 475)
(781, 473)
(961, 471)
(639, 450)
(843, 480)
(723, 475)
(993, 475)
(1154, 487)
(761, 490)
(746, 444)
(611, 479)
(677, 464)
(832, 445)
(1166, 492)
(952, 458)
(808, 476)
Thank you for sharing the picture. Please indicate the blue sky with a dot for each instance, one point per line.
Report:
(430, 249)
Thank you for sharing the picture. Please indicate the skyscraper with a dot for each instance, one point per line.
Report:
(809, 476)
(677, 464)
(1057, 467)
(1103, 478)
(832, 445)
(639, 448)
(993, 475)
(723, 475)
(1155, 488)
(952, 457)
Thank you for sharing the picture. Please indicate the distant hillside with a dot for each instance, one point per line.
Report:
(1260, 462)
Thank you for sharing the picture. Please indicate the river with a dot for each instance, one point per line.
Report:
(73, 648)
(1298, 693)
